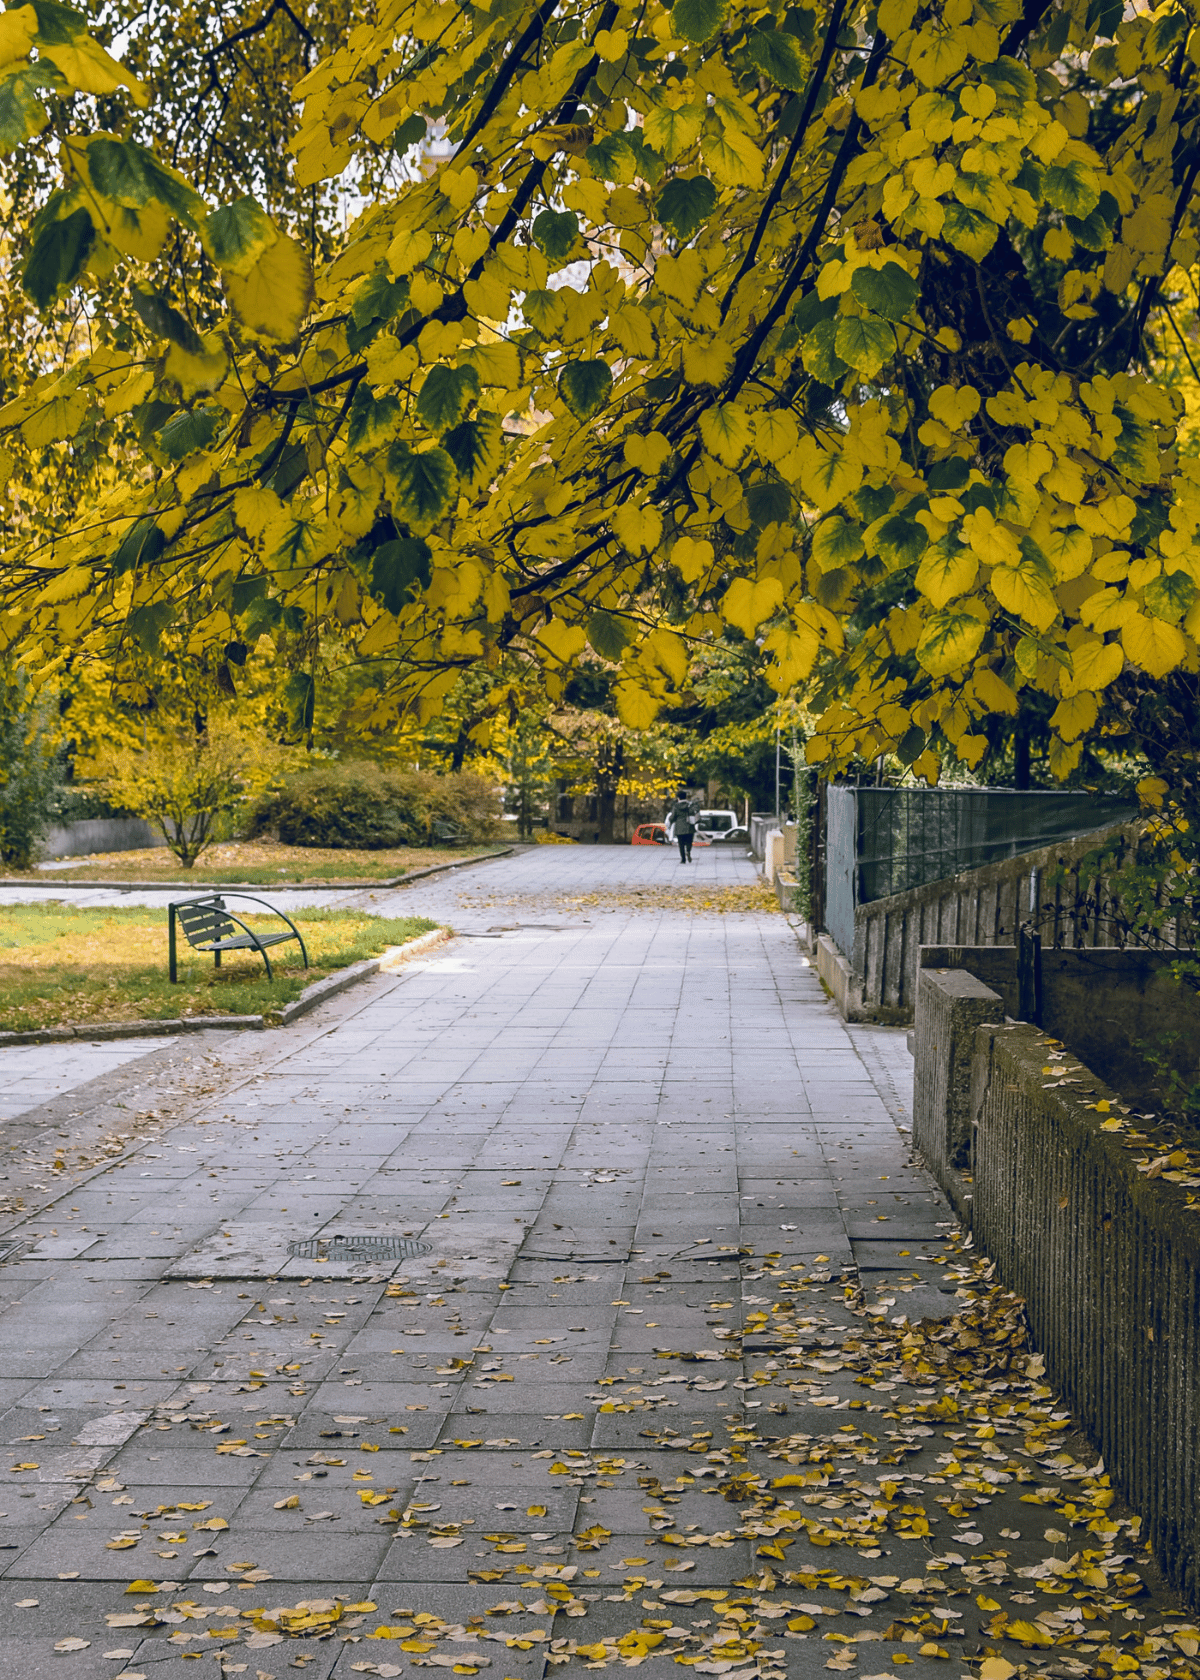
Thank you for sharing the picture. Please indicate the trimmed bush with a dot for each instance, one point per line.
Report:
(365, 806)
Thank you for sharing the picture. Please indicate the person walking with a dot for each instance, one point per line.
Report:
(682, 818)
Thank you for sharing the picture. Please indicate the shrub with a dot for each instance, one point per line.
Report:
(190, 783)
(366, 806)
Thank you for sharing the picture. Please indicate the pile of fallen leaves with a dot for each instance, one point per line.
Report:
(750, 899)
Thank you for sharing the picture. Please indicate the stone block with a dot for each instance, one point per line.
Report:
(951, 1004)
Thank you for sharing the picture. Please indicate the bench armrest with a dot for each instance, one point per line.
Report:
(250, 898)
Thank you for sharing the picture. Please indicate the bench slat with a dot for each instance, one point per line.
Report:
(208, 926)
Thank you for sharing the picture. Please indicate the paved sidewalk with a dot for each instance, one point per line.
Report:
(647, 1394)
(32, 1074)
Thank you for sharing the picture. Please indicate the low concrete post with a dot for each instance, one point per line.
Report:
(951, 1004)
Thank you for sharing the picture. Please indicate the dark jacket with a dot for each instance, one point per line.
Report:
(683, 816)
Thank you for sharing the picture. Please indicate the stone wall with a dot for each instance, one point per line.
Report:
(1117, 1010)
(99, 834)
(1108, 1262)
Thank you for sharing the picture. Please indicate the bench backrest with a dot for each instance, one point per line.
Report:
(205, 920)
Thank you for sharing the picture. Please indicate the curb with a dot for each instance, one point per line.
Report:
(335, 983)
(309, 998)
(236, 886)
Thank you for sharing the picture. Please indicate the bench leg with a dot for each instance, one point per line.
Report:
(171, 963)
(216, 959)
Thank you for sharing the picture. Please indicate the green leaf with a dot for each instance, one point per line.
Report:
(375, 302)
(1091, 231)
(474, 447)
(299, 696)
(236, 235)
(60, 249)
(370, 418)
(836, 542)
(890, 291)
(1171, 596)
(141, 547)
(584, 387)
(1136, 450)
(697, 20)
(769, 502)
(901, 541)
(911, 745)
(292, 467)
(969, 231)
(147, 624)
(864, 345)
(950, 474)
(544, 310)
(672, 130)
(649, 163)
(1010, 81)
(1152, 517)
(685, 204)
(819, 356)
(613, 159)
(1165, 31)
(950, 640)
(410, 133)
(1071, 187)
(422, 485)
(189, 430)
(812, 308)
(245, 592)
(446, 395)
(22, 114)
(166, 322)
(609, 636)
(58, 25)
(555, 233)
(133, 177)
(778, 56)
(396, 567)
(873, 501)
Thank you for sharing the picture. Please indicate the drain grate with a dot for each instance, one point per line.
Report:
(10, 1247)
(356, 1248)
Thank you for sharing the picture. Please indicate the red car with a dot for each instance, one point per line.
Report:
(649, 834)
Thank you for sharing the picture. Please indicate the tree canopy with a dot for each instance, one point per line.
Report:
(840, 324)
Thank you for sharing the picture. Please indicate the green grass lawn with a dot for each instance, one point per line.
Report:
(61, 965)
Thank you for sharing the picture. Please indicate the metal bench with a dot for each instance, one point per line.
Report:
(209, 926)
(447, 832)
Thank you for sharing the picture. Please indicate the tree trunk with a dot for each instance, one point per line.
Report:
(1021, 760)
(610, 761)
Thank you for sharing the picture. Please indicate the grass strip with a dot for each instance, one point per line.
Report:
(62, 965)
(252, 863)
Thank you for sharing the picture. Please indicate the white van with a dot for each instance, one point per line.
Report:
(713, 828)
(719, 828)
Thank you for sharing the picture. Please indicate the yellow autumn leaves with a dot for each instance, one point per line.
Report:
(721, 358)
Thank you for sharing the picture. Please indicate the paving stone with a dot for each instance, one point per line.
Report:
(598, 1133)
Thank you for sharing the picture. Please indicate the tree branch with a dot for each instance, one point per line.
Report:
(511, 65)
(816, 83)
(748, 354)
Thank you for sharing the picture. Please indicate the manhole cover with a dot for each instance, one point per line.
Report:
(355, 1248)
